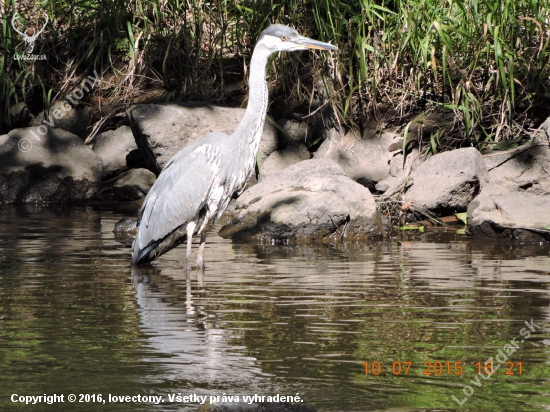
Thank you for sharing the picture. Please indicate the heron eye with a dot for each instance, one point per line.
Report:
(283, 38)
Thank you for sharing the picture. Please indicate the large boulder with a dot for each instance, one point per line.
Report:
(448, 181)
(313, 200)
(281, 159)
(134, 184)
(161, 130)
(55, 167)
(527, 166)
(366, 158)
(506, 210)
(117, 149)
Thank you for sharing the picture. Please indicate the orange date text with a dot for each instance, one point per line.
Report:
(438, 368)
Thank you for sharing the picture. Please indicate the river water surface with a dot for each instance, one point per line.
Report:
(424, 311)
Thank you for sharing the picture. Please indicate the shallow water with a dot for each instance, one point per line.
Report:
(269, 319)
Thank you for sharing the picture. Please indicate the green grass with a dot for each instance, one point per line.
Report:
(483, 62)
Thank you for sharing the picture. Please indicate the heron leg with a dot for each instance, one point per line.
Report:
(200, 258)
(190, 229)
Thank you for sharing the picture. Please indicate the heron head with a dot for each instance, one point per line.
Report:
(278, 37)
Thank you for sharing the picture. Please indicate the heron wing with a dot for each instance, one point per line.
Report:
(180, 192)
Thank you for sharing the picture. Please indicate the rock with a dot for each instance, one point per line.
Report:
(386, 184)
(545, 126)
(125, 231)
(134, 184)
(125, 227)
(20, 116)
(58, 168)
(398, 173)
(64, 116)
(448, 181)
(117, 149)
(364, 159)
(161, 130)
(283, 158)
(296, 132)
(504, 210)
(312, 200)
(397, 169)
(527, 166)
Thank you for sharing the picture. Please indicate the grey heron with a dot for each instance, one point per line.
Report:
(197, 184)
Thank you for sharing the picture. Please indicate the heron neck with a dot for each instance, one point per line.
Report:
(251, 126)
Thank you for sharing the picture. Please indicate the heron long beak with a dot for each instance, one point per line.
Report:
(314, 44)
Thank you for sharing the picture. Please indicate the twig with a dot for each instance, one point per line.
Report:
(427, 214)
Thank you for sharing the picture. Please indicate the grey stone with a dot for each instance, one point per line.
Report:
(125, 227)
(281, 159)
(545, 126)
(134, 184)
(505, 210)
(17, 109)
(398, 171)
(114, 148)
(62, 115)
(20, 116)
(57, 168)
(312, 200)
(448, 180)
(296, 132)
(527, 166)
(387, 183)
(364, 159)
(161, 130)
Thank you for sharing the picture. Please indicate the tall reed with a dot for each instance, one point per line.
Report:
(483, 61)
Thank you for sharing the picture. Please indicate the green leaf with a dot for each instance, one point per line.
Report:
(131, 38)
(405, 134)
(463, 217)
(277, 126)
(259, 163)
(369, 48)
(402, 228)
(507, 144)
